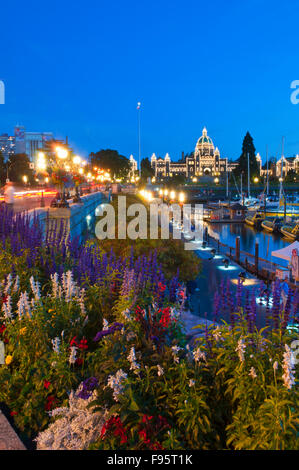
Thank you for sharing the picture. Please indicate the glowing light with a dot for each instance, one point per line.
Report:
(41, 161)
(172, 194)
(77, 160)
(228, 268)
(247, 282)
(61, 153)
(81, 171)
(165, 192)
(25, 179)
(182, 197)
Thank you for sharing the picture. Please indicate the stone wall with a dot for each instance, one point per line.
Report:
(78, 219)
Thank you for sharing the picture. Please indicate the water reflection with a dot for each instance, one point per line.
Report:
(248, 235)
(213, 271)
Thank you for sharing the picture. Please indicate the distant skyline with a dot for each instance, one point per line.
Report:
(78, 70)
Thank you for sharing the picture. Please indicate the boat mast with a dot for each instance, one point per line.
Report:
(281, 171)
(267, 190)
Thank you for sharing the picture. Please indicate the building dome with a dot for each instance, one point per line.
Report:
(204, 145)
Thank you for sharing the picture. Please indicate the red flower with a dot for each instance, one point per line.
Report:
(4, 298)
(161, 286)
(47, 384)
(165, 318)
(50, 403)
(146, 418)
(79, 361)
(74, 342)
(83, 344)
(13, 413)
(2, 328)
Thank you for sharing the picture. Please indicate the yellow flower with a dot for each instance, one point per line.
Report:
(23, 330)
(50, 310)
(8, 359)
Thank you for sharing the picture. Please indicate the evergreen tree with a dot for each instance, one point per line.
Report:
(248, 149)
(146, 169)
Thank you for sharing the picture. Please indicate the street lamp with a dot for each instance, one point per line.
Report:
(77, 160)
(256, 180)
(41, 161)
(62, 154)
(25, 179)
(216, 180)
(181, 198)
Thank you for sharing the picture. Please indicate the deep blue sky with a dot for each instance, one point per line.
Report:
(79, 68)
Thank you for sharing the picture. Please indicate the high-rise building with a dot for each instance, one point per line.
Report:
(7, 145)
(30, 142)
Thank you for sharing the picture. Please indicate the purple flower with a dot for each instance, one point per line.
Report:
(87, 388)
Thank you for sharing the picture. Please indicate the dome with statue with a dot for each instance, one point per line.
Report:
(204, 145)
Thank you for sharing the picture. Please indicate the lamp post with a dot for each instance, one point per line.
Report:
(62, 154)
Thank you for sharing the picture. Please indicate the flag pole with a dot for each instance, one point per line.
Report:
(139, 141)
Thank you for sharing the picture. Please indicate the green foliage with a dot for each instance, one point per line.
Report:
(248, 149)
(111, 160)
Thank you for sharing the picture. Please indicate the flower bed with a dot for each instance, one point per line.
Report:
(96, 356)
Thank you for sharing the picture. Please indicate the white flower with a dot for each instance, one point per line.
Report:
(8, 284)
(16, 284)
(288, 368)
(126, 314)
(252, 373)
(191, 383)
(24, 305)
(35, 287)
(175, 350)
(275, 365)
(240, 349)
(73, 355)
(6, 307)
(56, 345)
(198, 355)
(217, 333)
(105, 324)
(75, 427)
(81, 302)
(132, 359)
(115, 382)
(160, 370)
(55, 285)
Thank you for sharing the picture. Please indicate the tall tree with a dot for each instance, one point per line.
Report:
(111, 160)
(146, 169)
(248, 149)
(18, 165)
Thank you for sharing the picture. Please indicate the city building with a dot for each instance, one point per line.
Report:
(205, 160)
(133, 166)
(30, 142)
(7, 146)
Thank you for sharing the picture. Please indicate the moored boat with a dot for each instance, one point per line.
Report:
(271, 225)
(255, 219)
(290, 231)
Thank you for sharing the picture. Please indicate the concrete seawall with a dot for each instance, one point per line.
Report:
(78, 219)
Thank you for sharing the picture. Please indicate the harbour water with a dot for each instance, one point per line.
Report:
(214, 274)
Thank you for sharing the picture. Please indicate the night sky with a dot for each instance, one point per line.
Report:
(79, 69)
